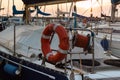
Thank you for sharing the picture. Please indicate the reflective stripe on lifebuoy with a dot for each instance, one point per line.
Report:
(63, 44)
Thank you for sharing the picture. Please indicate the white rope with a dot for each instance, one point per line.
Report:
(48, 55)
(55, 26)
(45, 36)
(60, 50)
(63, 51)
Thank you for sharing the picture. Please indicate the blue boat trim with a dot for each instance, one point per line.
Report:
(36, 72)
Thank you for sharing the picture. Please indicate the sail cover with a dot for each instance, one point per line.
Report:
(15, 11)
(42, 13)
(46, 2)
(78, 15)
(115, 1)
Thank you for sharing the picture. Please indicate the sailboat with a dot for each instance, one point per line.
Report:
(3, 19)
(27, 52)
(111, 30)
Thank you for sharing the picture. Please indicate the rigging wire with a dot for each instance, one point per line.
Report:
(101, 5)
(88, 9)
(85, 11)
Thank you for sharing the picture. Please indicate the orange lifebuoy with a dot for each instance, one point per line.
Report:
(81, 41)
(63, 44)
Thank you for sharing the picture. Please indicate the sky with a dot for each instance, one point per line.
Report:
(83, 7)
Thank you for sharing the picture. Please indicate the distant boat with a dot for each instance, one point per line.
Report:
(112, 33)
(111, 30)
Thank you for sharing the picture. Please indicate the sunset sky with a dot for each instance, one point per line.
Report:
(83, 7)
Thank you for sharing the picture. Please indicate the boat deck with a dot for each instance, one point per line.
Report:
(104, 71)
(103, 66)
(117, 78)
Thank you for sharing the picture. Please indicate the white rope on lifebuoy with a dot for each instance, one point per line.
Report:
(45, 36)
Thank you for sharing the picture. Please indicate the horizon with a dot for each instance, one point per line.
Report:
(83, 7)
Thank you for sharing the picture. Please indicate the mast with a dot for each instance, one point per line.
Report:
(13, 5)
(113, 12)
(75, 11)
(8, 8)
(58, 10)
(91, 15)
(26, 14)
(0, 4)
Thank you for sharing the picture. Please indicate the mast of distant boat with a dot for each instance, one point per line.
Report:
(113, 9)
(113, 12)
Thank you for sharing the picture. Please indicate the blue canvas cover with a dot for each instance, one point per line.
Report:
(115, 1)
(42, 13)
(15, 11)
(28, 2)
